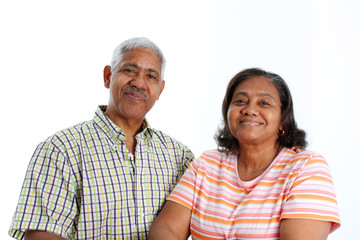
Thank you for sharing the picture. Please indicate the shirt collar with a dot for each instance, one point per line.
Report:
(113, 131)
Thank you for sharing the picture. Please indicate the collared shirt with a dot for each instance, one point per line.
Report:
(83, 183)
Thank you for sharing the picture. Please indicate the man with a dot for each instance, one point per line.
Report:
(106, 178)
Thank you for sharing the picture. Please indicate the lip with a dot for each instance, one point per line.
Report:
(135, 94)
(250, 122)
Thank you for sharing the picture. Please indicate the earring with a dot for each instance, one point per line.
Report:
(281, 132)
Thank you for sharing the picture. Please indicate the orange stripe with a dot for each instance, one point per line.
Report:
(316, 161)
(311, 196)
(313, 177)
(228, 222)
(311, 216)
(180, 201)
(186, 184)
(271, 184)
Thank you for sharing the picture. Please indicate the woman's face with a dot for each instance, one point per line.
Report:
(254, 114)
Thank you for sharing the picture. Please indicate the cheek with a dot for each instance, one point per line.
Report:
(155, 92)
(232, 119)
(276, 119)
(230, 113)
(118, 83)
(113, 84)
(233, 113)
(114, 88)
(229, 119)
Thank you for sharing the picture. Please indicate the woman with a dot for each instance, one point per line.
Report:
(254, 186)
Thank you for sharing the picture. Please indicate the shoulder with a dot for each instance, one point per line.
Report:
(217, 157)
(68, 137)
(304, 156)
(217, 154)
(305, 160)
(164, 139)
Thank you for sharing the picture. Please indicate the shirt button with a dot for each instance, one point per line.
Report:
(114, 147)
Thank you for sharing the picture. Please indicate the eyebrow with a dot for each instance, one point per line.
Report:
(259, 95)
(137, 67)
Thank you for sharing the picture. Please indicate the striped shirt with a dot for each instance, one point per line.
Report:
(223, 206)
(83, 183)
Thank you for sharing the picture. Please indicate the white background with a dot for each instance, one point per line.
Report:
(52, 55)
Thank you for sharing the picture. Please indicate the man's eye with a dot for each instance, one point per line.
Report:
(128, 70)
(152, 76)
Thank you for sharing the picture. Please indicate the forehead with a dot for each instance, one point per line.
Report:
(142, 57)
(257, 85)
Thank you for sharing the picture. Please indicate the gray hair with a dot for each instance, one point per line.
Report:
(137, 42)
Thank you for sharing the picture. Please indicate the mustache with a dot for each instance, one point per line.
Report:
(135, 89)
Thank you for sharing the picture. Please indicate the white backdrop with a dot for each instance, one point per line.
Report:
(52, 55)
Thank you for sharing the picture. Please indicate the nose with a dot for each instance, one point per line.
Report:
(250, 110)
(139, 80)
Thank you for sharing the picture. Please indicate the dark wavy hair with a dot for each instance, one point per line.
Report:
(293, 136)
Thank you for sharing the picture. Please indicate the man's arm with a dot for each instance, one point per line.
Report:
(49, 181)
(41, 235)
(299, 229)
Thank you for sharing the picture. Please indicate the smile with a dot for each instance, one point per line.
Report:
(135, 93)
(250, 123)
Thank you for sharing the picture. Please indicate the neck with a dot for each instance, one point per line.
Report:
(130, 127)
(254, 160)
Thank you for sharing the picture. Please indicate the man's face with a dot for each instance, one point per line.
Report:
(135, 85)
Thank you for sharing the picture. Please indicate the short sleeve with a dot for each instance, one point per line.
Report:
(312, 194)
(188, 158)
(47, 199)
(183, 193)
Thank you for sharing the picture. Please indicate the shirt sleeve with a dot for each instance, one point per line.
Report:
(47, 200)
(184, 191)
(312, 195)
(188, 158)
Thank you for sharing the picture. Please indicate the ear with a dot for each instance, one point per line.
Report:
(161, 88)
(281, 125)
(281, 128)
(107, 76)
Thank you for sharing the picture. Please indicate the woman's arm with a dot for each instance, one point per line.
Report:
(41, 235)
(173, 222)
(299, 229)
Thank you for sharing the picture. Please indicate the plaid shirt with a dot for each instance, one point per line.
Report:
(83, 183)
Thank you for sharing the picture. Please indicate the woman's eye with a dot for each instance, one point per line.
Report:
(264, 103)
(239, 101)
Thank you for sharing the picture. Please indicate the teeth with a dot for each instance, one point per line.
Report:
(250, 123)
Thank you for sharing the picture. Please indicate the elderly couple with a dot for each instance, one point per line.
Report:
(116, 177)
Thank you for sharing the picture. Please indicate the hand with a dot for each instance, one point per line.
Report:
(297, 149)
